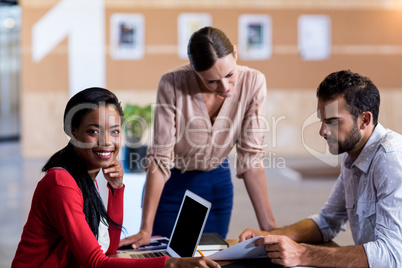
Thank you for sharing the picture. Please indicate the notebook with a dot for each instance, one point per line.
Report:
(186, 233)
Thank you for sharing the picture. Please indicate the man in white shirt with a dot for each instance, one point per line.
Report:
(367, 193)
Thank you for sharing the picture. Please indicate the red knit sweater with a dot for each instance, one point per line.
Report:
(57, 235)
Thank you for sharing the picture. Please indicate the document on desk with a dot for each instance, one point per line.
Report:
(242, 250)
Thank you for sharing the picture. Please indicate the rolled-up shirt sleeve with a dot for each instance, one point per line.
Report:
(375, 212)
(387, 246)
(164, 137)
(250, 151)
(333, 216)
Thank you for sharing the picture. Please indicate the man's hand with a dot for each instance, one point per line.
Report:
(137, 240)
(191, 262)
(114, 174)
(282, 250)
(250, 233)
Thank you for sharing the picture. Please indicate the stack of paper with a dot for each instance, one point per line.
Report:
(212, 241)
(243, 250)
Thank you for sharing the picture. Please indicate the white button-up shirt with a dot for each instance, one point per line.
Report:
(368, 193)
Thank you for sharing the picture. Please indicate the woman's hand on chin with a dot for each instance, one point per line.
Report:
(114, 174)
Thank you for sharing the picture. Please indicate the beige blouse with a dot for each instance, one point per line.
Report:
(184, 137)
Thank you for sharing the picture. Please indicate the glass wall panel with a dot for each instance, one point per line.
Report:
(10, 20)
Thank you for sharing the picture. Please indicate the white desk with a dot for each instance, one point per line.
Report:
(134, 183)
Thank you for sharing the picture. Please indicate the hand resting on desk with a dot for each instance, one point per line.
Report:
(137, 240)
(282, 246)
(280, 249)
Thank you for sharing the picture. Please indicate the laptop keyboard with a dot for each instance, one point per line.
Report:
(149, 255)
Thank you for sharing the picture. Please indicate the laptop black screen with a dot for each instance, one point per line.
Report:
(188, 227)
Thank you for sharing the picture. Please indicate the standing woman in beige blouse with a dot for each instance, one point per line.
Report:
(203, 109)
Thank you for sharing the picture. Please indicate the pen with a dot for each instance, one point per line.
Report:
(199, 251)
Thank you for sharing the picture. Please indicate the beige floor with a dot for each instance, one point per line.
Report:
(291, 198)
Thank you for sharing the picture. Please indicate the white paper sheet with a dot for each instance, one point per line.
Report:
(242, 250)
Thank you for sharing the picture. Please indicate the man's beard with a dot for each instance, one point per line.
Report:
(348, 144)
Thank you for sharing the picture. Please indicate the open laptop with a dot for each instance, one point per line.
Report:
(186, 233)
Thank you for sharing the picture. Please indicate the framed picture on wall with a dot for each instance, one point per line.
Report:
(126, 36)
(314, 37)
(187, 24)
(255, 37)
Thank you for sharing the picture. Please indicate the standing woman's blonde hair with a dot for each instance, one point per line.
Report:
(206, 46)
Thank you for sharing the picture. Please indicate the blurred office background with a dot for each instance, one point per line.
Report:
(50, 49)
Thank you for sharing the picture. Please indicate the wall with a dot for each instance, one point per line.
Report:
(366, 38)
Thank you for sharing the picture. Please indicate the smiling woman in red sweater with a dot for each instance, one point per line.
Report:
(68, 225)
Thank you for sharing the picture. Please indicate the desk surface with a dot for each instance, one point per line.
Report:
(251, 263)
(254, 263)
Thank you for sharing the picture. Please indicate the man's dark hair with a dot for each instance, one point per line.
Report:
(360, 93)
